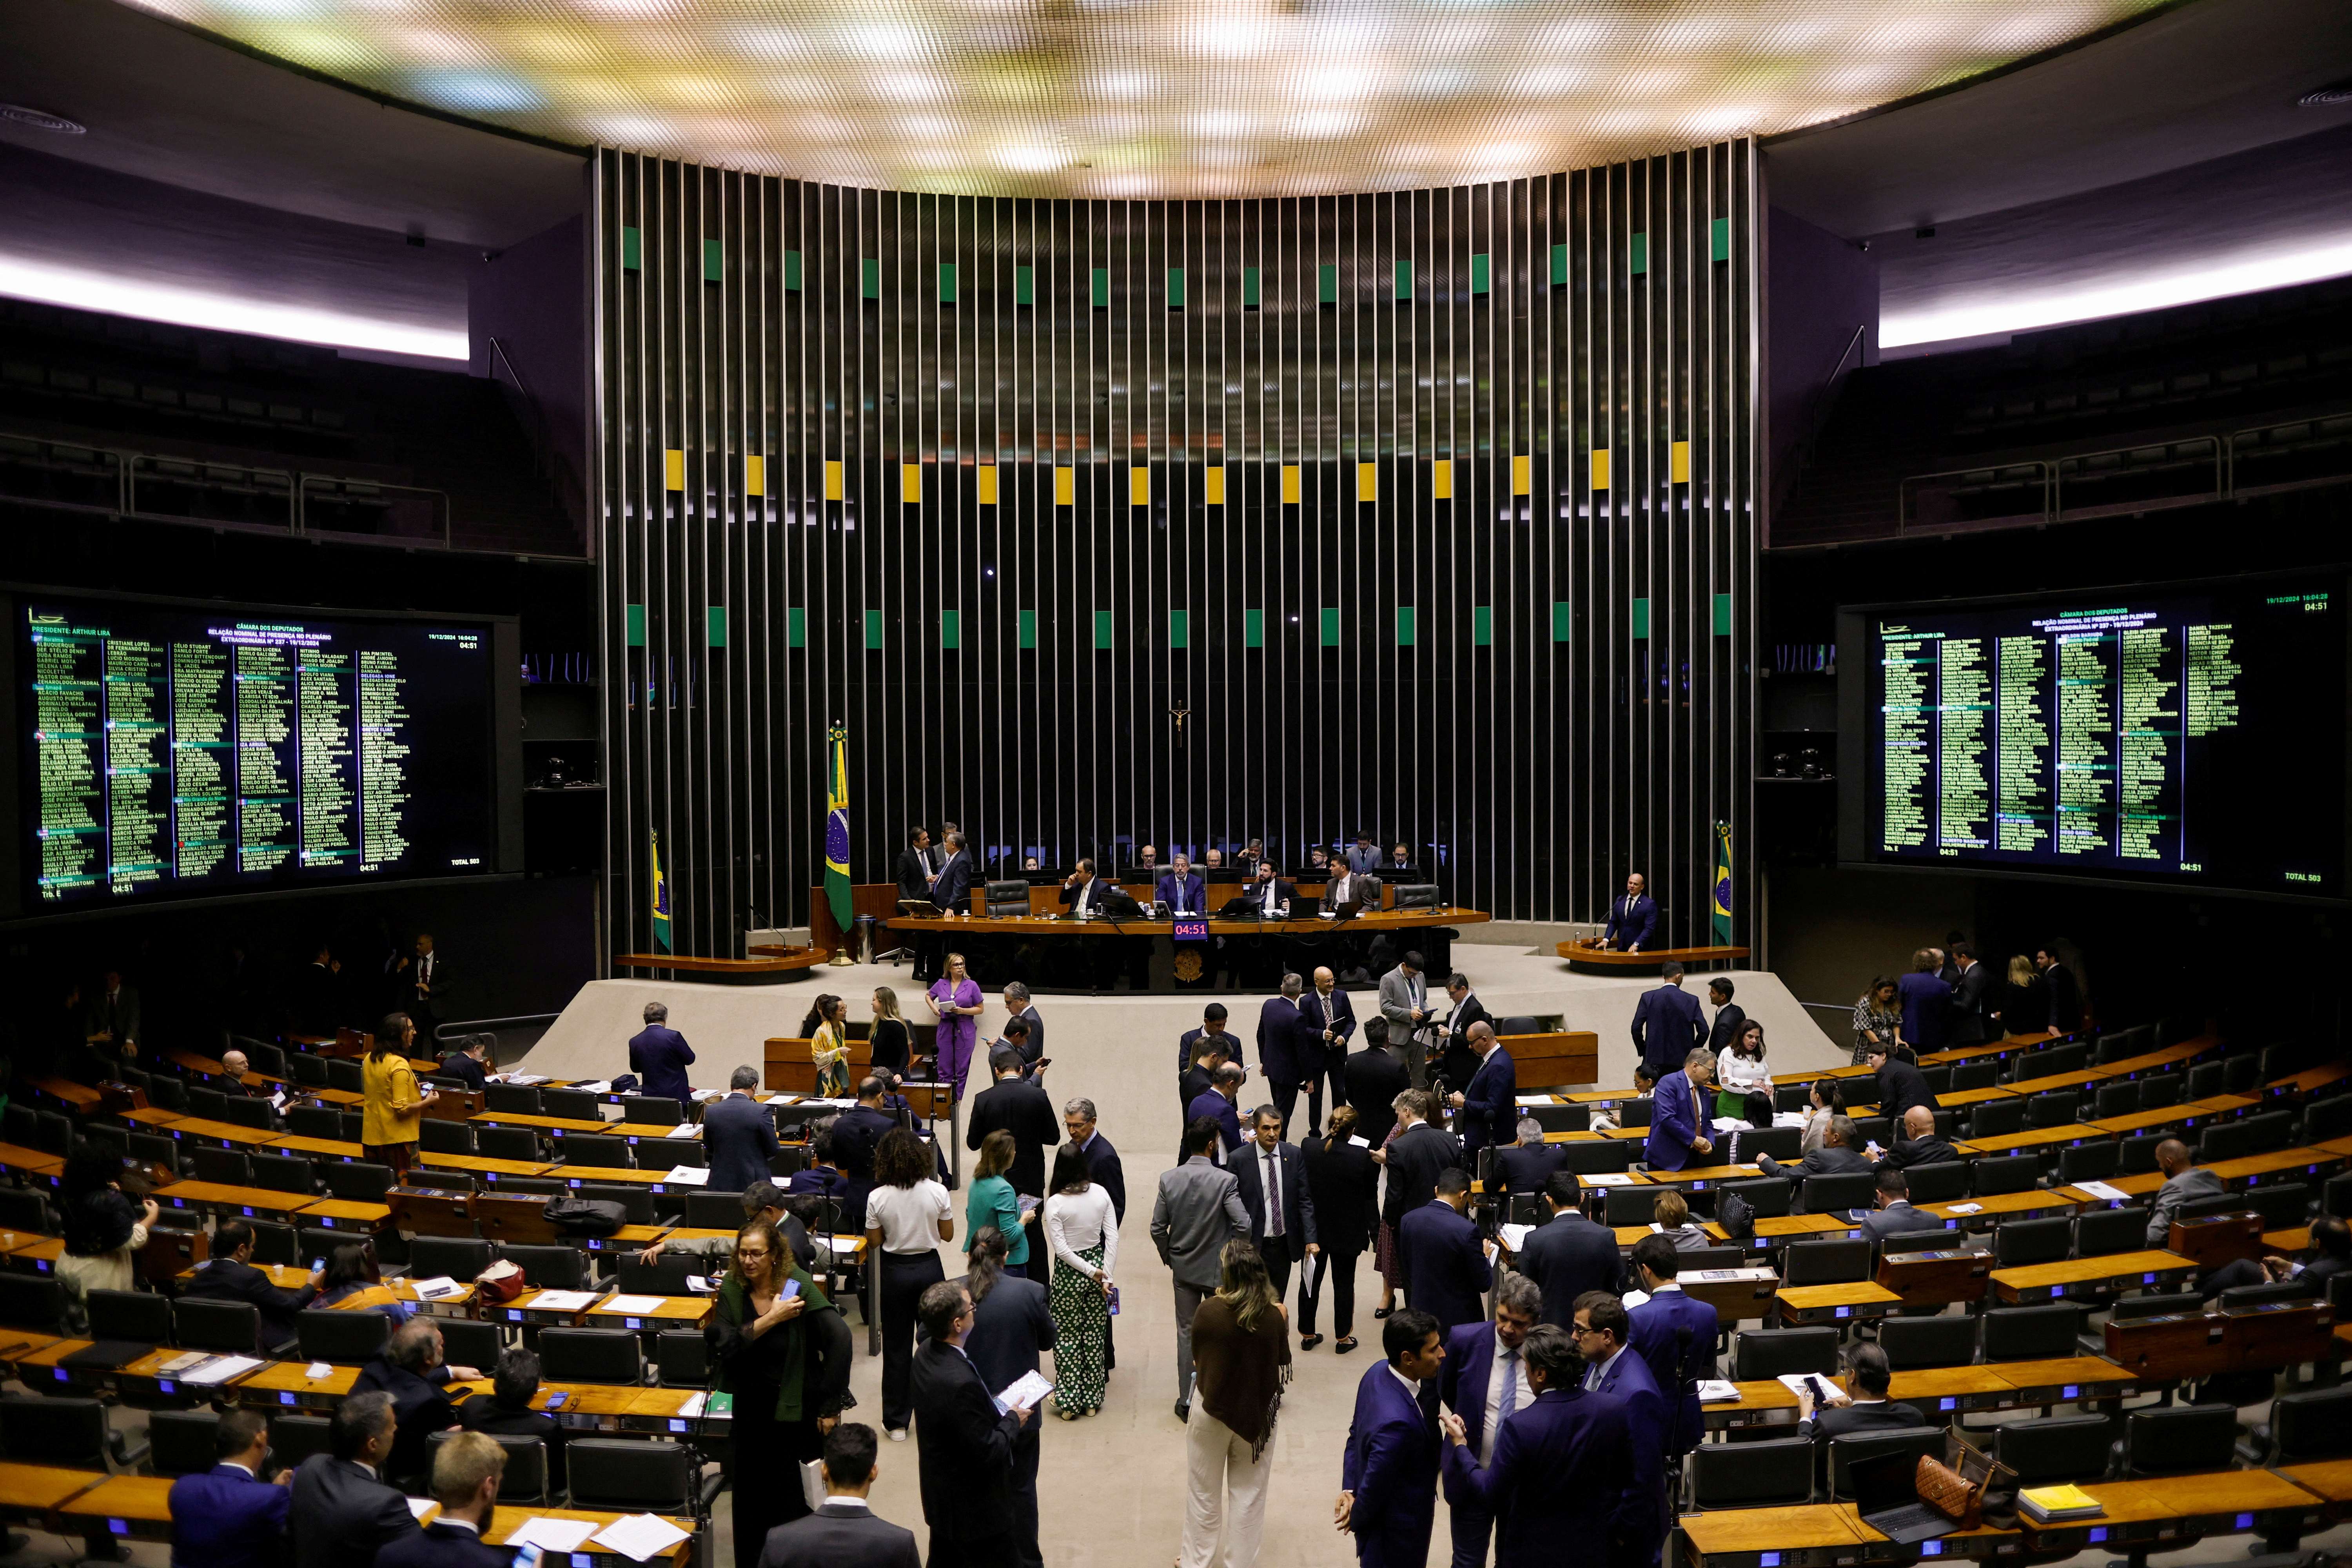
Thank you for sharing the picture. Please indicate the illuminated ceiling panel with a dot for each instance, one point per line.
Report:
(1106, 98)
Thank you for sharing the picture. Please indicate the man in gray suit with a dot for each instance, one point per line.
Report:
(1895, 1216)
(341, 1513)
(1198, 1211)
(845, 1533)
(1404, 1002)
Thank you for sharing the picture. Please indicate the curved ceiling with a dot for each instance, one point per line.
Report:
(1151, 98)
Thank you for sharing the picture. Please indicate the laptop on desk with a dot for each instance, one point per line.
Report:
(922, 909)
(1886, 1496)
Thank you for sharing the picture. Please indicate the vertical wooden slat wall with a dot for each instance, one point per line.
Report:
(1603, 722)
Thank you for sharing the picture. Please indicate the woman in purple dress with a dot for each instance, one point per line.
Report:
(955, 1003)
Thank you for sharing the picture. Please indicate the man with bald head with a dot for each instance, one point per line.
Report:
(1326, 1020)
(1918, 1143)
(2183, 1183)
(1490, 1101)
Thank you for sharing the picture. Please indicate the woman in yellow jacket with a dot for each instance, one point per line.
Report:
(392, 1100)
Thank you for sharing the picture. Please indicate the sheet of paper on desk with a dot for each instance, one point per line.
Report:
(688, 1176)
(553, 1534)
(1025, 1391)
(1797, 1383)
(1716, 1390)
(700, 1285)
(783, 1099)
(1611, 1179)
(560, 1301)
(683, 1129)
(1535, 1099)
(693, 1405)
(419, 1505)
(526, 1080)
(601, 1086)
(1515, 1237)
(1730, 1124)
(846, 1243)
(317, 1370)
(2101, 1189)
(705, 1095)
(1966, 1208)
(222, 1370)
(433, 1289)
(632, 1306)
(640, 1536)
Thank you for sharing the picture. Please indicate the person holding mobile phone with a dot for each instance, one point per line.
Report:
(506, 1412)
(780, 1350)
(229, 1274)
(1825, 1412)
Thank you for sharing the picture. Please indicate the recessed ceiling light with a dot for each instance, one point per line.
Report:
(41, 120)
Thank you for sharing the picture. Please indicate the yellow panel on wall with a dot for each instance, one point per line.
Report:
(1139, 487)
(1523, 475)
(1441, 478)
(1367, 482)
(1678, 464)
(755, 475)
(985, 481)
(831, 480)
(1600, 467)
(1066, 487)
(1290, 484)
(1213, 486)
(673, 470)
(910, 481)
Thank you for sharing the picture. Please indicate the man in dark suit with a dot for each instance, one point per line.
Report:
(965, 1448)
(315, 996)
(1012, 1324)
(1862, 1407)
(424, 985)
(1284, 1045)
(112, 1025)
(1211, 1052)
(1836, 1156)
(1612, 1369)
(341, 1514)
(1667, 1023)
(228, 1517)
(951, 888)
(1420, 1152)
(917, 865)
(505, 1411)
(1282, 1231)
(1460, 1063)
(739, 1135)
(1327, 1018)
(1269, 894)
(1554, 1473)
(1018, 1004)
(1022, 1109)
(1527, 1165)
(1893, 1214)
(1084, 893)
(1447, 1269)
(1675, 1335)
(1926, 1003)
(1634, 919)
(659, 1055)
(1102, 1160)
(467, 1471)
(1682, 1112)
(1901, 1085)
(1388, 1497)
(1216, 1104)
(2065, 994)
(1490, 1103)
(1730, 1018)
(229, 1276)
(1918, 1143)
(1212, 1027)
(1972, 1000)
(412, 1371)
(845, 1532)
(1485, 1381)
(1182, 888)
(1374, 1078)
(1568, 1256)
(470, 1061)
(855, 1132)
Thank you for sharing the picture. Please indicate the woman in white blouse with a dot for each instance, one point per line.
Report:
(1741, 1070)
(1082, 1226)
(907, 1215)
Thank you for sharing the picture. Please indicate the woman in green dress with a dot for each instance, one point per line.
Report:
(993, 1201)
(1083, 1227)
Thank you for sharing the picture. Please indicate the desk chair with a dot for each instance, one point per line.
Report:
(1609, 1156)
(22, 1208)
(438, 1135)
(130, 1315)
(1997, 1119)
(573, 1104)
(2316, 1424)
(1762, 1353)
(208, 1103)
(550, 1267)
(281, 1173)
(1911, 1344)
(636, 1203)
(512, 1099)
(1770, 1196)
(2103, 1232)
(506, 1144)
(1844, 1453)
(306, 1071)
(590, 1355)
(2162, 1090)
(180, 1442)
(67, 1432)
(232, 1328)
(1940, 1183)
(225, 1166)
(244, 1110)
(524, 1480)
(2011, 1174)
(682, 1358)
(2032, 1333)
(2179, 1439)
(1775, 1474)
(358, 1182)
(345, 1074)
(2056, 1448)
(467, 1342)
(2092, 1162)
(294, 1438)
(341, 1339)
(461, 1259)
(2052, 1108)
(1839, 1191)
(597, 1149)
(1840, 1262)
(651, 1110)
(1579, 1118)
(637, 1477)
(2136, 1156)
(2020, 1242)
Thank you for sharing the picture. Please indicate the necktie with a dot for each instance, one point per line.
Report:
(1511, 1385)
(1272, 1193)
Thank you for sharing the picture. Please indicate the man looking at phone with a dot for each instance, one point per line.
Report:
(229, 1276)
(1824, 1412)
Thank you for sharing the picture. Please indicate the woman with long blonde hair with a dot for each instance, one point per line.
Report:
(1241, 1361)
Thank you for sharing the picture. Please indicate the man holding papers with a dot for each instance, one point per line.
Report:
(845, 1532)
(965, 1442)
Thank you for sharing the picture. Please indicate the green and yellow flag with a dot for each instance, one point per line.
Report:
(1722, 883)
(661, 899)
(836, 827)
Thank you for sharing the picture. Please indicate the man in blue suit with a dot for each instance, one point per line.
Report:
(1182, 888)
(1282, 1044)
(1673, 1333)
(1216, 1104)
(1668, 1023)
(1638, 1523)
(1490, 1100)
(1567, 1255)
(739, 1135)
(1554, 1472)
(1388, 1496)
(1326, 1020)
(1681, 1113)
(659, 1055)
(229, 1517)
(951, 888)
(1634, 919)
(1486, 1382)
(1446, 1273)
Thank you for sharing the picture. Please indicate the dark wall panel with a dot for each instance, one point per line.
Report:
(1142, 430)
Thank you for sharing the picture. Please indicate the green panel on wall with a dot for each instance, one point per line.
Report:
(637, 625)
(952, 629)
(1720, 238)
(1404, 280)
(1641, 619)
(1252, 628)
(714, 619)
(632, 249)
(1327, 283)
(792, 269)
(1563, 620)
(869, 277)
(1251, 288)
(796, 627)
(1029, 629)
(1102, 288)
(1482, 626)
(1407, 632)
(1722, 615)
(873, 628)
(1559, 264)
(1102, 628)
(947, 282)
(1180, 628)
(714, 262)
(1024, 285)
(1330, 619)
(1175, 288)
(1482, 272)
(1637, 255)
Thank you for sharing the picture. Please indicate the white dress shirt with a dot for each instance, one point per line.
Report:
(1510, 1369)
(1269, 1183)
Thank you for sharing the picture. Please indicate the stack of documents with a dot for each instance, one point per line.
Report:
(2051, 1505)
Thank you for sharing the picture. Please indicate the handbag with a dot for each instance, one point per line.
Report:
(499, 1283)
(1735, 1214)
(1957, 1485)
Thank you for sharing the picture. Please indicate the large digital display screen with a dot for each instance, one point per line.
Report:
(2193, 734)
(167, 751)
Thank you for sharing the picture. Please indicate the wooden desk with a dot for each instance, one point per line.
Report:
(2048, 1281)
(125, 1507)
(2007, 1046)
(670, 1312)
(2165, 1116)
(1785, 1228)
(287, 1384)
(1588, 955)
(762, 971)
(1940, 1389)
(1735, 1294)
(1935, 1277)
(2152, 1061)
(552, 1126)
(15, 1344)
(344, 1214)
(2069, 1134)
(511, 1518)
(1809, 1535)
(2262, 1338)
(153, 1116)
(285, 1276)
(2081, 1078)
(40, 1364)
(231, 1202)
(522, 1310)
(1835, 1304)
(1700, 1177)
(460, 1305)
(77, 1097)
(146, 1376)
(2254, 1169)
(34, 1254)
(1959, 1098)
(617, 1176)
(32, 1161)
(35, 1492)
(321, 1148)
(227, 1134)
(2065, 1380)
(637, 1238)
(2309, 1080)
(2037, 1201)
(2329, 1480)
(482, 1165)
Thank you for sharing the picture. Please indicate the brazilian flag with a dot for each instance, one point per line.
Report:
(836, 827)
(1722, 883)
(661, 900)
